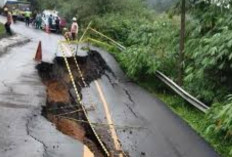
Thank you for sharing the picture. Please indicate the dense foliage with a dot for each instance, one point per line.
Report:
(152, 43)
(145, 41)
(86, 10)
(219, 124)
(208, 53)
(221, 120)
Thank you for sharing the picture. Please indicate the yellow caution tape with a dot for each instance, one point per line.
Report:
(99, 33)
(81, 75)
(86, 31)
(79, 100)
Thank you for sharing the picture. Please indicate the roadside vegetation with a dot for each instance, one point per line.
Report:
(2, 31)
(152, 42)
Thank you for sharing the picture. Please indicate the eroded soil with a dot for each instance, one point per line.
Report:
(61, 108)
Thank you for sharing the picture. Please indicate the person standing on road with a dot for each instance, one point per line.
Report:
(8, 22)
(14, 12)
(57, 24)
(27, 17)
(38, 21)
(33, 18)
(74, 29)
(50, 21)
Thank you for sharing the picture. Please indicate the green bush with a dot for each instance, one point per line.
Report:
(219, 126)
(138, 62)
(86, 10)
(208, 55)
(2, 30)
(146, 42)
(220, 118)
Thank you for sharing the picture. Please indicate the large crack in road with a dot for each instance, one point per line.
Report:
(28, 130)
(62, 109)
(132, 104)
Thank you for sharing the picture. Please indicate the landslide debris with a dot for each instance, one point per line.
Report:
(61, 107)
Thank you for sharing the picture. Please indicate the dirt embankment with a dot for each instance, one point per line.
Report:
(61, 108)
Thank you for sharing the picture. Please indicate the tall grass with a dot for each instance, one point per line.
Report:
(2, 30)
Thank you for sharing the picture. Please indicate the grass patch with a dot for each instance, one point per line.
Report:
(195, 118)
(2, 31)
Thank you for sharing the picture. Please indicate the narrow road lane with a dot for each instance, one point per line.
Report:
(23, 131)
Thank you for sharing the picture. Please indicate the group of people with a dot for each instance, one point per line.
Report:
(68, 34)
(34, 19)
(10, 18)
(54, 23)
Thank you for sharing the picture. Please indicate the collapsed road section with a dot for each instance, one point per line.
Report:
(64, 111)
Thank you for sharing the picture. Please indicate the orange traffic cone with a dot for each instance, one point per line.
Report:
(38, 55)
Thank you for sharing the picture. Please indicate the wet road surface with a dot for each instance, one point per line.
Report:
(143, 124)
(23, 131)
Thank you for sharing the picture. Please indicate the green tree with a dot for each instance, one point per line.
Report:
(182, 42)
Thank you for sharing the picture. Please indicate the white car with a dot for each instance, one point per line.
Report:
(45, 16)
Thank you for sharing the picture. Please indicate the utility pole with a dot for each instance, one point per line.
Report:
(182, 44)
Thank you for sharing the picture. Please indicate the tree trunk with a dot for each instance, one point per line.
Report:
(182, 41)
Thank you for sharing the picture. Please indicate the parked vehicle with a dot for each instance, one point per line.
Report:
(52, 26)
(23, 7)
(3, 4)
(17, 7)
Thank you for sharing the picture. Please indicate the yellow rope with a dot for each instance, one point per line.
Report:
(99, 124)
(86, 30)
(95, 31)
(81, 75)
(80, 102)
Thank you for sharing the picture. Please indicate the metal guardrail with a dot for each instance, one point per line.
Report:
(185, 95)
(192, 100)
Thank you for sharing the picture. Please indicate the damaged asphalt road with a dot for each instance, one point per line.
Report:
(23, 131)
(144, 125)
